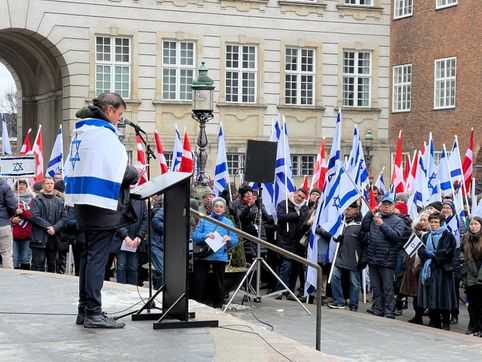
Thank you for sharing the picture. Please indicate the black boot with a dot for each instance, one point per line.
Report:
(101, 321)
(25, 266)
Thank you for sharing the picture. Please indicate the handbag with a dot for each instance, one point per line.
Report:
(304, 240)
(201, 251)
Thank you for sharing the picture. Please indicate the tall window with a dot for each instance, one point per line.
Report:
(445, 3)
(302, 165)
(241, 74)
(113, 65)
(359, 2)
(178, 67)
(299, 76)
(445, 72)
(356, 78)
(402, 88)
(403, 8)
(236, 162)
(168, 156)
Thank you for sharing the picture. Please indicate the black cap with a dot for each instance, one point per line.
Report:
(59, 186)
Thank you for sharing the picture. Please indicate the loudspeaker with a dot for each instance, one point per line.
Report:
(260, 161)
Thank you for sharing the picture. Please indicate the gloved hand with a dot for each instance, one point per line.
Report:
(429, 254)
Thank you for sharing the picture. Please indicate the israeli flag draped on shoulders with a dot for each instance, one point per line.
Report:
(95, 166)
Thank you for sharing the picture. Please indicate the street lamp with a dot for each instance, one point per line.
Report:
(202, 112)
(369, 148)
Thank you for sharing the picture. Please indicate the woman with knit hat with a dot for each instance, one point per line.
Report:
(217, 260)
(472, 275)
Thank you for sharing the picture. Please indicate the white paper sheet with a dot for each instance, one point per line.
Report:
(216, 243)
(125, 247)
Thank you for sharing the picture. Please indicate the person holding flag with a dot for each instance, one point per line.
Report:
(386, 232)
(98, 181)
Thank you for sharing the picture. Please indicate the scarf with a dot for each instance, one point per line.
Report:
(433, 240)
(297, 206)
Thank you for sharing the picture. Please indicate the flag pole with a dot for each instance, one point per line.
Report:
(463, 176)
(380, 175)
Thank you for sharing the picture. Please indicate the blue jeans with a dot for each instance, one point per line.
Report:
(337, 289)
(157, 258)
(22, 254)
(286, 274)
(127, 268)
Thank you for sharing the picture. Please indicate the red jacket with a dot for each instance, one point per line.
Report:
(24, 229)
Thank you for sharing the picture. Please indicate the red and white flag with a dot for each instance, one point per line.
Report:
(321, 168)
(406, 170)
(140, 164)
(413, 174)
(305, 186)
(187, 163)
(39, 157)
(397, 175)
(467, 162)
(373, 200)
(26, 147)
(160, 153)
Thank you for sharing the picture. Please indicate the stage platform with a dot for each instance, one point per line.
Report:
(38, 313)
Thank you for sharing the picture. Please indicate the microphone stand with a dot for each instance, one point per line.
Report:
(150, 304)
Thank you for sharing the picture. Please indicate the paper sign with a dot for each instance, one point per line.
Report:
(125, 247)
(17, 166)
(216, 243)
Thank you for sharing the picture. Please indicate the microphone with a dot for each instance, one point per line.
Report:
(133, 125)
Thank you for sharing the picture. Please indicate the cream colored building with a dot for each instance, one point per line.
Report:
(300, 58)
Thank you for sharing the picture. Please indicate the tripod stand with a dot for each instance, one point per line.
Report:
(258, 262)
(149, 304)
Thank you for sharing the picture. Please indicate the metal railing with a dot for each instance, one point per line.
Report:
(282, 252)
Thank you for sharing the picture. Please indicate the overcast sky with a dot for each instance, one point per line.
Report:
(6, 82)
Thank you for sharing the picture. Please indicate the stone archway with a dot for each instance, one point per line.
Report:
(40, 74)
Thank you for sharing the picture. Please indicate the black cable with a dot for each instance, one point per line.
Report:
(255, 317)
(257, 334)
(38, 313)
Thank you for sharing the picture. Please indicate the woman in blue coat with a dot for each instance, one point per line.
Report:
(217, 261)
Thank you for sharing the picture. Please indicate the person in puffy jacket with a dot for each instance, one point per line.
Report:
(217, 260)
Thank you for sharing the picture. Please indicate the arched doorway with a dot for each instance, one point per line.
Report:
(40, 74)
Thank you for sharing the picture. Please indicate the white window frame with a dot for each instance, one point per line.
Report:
(240, 70)
(178, 68)
(441, 4)
(359, 2)
(112, 63)
(402, 91)
(299, 73)
(239, 158)
(297, 162)
(444, 82)
(402, 9)
(356, 77)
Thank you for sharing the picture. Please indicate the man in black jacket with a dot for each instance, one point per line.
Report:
(98, 223)
(386, 232)
(48, 217)
(291, 216)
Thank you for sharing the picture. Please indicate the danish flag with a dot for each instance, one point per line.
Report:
(26, 147)
(468, 161)
(397, 175)
(38, 154)
(321, 167)
(141, 162)
(187, 163)
(160, 154)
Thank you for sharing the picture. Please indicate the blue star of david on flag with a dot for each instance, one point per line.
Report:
(74, 151)
(17, 166)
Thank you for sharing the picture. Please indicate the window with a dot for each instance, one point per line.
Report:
(445, 3)
(356, 79)
(236, 162)
(178, 68)
(241, 73)
(113, 65)
(403, 8)
(168, 156)
(402, 88)
(299, 76)
(445, 70)
(359, 2)
(302, 165)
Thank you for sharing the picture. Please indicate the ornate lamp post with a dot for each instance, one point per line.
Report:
(202, 112)
(369, 148)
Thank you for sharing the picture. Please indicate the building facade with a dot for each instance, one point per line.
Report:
(301, 58)
(436, 72)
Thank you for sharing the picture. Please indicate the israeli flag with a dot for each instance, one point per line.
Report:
(95, 166)
(432, 180)
(444, 174)
(453, 225)
(7, 150)
(455, 163)
(177, 152)
(221, 174)
(419, 197)
(380, 184)
(356, 166)
(56, 159)
(268, 192)
(284, 176)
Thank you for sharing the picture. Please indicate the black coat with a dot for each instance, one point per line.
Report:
(351, 245)
(384, 242)
(439, 291)
(40, 223)
(288, 237)
(136, 229)
(8, 203)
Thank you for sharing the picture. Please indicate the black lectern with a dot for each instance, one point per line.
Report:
(175, 187)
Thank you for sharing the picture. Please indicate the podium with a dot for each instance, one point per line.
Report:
(175, 186)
